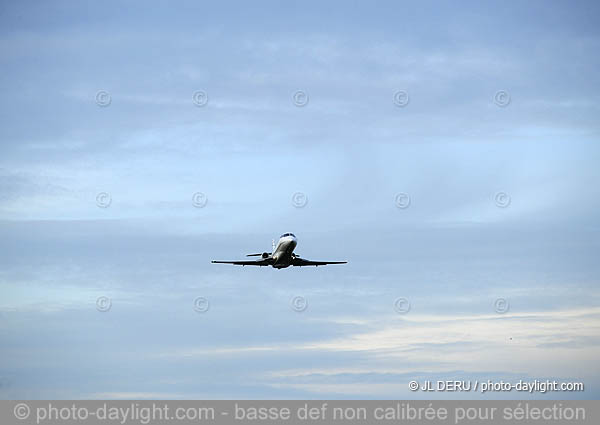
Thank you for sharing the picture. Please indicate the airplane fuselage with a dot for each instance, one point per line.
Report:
(282, 256)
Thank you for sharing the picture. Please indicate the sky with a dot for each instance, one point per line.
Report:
(449, 152)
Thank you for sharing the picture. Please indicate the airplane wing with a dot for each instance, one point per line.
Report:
(261, 262)
(301, 262)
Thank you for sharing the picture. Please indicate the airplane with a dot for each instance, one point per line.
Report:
(282, 256)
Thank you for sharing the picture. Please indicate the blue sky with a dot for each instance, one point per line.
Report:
(350, 150)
